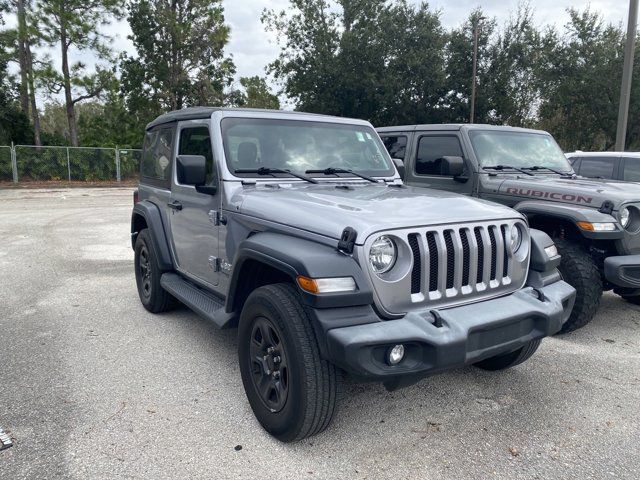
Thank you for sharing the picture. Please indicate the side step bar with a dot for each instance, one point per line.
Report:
(200, 301)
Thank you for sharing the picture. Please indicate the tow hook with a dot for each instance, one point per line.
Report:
(539, 294)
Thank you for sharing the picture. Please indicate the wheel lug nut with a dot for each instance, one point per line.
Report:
(270, 350)
(276, 358)
(276, 375)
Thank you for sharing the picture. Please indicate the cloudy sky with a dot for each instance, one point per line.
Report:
(252, 48)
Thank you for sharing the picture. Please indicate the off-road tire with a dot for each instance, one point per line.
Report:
(313, 384)
(579, 270)
(635, 299)
(511, 359)
(153, 297)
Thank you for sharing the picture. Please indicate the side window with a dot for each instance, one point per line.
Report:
(156, 159)
(597, 167)
(146, 165)
(431, 149)
(396, 146)
(632, 170)
(197, 141)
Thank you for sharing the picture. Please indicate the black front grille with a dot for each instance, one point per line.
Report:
(416, 274)
(448, 259)
(433, 261)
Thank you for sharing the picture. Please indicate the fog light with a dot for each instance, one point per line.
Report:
(552, 251)
(395, 355)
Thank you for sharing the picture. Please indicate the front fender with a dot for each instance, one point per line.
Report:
(296, 256)
(151, 215)
(572, 214)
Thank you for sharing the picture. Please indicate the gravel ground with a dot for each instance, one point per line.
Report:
(93, 386)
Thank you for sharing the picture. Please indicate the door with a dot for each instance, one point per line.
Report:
(424, 170)
(194, 218)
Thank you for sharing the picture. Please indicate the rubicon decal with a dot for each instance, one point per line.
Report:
(565, 197)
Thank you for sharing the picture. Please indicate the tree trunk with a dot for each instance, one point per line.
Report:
(71, 114)
(35, 117)
(22, 58)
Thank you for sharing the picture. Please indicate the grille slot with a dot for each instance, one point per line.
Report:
(451, 267)
(466, 254)
(433, 261)
(416, 274)
(480, 243)
(505, 263)
(492, 240)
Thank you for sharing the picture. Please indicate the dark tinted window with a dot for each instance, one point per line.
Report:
(156, 159)
(632, 170)
(431, 149)
(197, 141)
(597, 167)
(396, 146)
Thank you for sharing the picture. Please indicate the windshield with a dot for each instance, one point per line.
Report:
(518, 149)
(299, 146)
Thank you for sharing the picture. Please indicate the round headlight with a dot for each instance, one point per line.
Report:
(515, 237)
(382, 255)
(625, 216)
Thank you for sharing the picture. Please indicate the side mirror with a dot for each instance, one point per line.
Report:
(399, 163)
(192, 169)
(451, 166)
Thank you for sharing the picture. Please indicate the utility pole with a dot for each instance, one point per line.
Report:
(476, 26)
(627, 70)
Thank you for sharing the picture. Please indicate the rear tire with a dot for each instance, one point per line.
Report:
(579, 270)
(275, 337)
(153, 297)
(511, 359)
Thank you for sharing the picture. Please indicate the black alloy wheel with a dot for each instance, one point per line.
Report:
(269, 368)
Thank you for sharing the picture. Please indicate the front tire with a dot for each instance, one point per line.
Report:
(153, 297)
(579, 270)
(292, 391)
(511, 359)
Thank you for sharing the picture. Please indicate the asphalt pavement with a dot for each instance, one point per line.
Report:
(94, 386)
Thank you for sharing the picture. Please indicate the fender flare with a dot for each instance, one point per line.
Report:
(151, 214)
(296, 256)
(572, 214)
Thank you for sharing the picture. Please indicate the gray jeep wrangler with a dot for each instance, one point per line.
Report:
(297, 230)
(594, 223)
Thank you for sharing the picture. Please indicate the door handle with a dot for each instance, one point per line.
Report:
(175, 205)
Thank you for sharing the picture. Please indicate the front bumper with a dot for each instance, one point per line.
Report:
(467, 334)
(623, 271)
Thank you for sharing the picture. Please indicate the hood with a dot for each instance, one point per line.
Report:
(579, 191)
(327, 209)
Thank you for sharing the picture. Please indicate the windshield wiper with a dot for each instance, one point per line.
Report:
(272, 171)
(507, 167)
(540, 167)
(336, 171)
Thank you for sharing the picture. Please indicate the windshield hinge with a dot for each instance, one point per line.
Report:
(347, 241)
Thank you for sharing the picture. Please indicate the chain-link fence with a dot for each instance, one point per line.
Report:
(6, 170)
(29, 163)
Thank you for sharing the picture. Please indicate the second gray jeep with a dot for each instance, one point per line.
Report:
(595, 223)
(296, 229)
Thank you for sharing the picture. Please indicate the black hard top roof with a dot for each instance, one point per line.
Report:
(195, 113)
